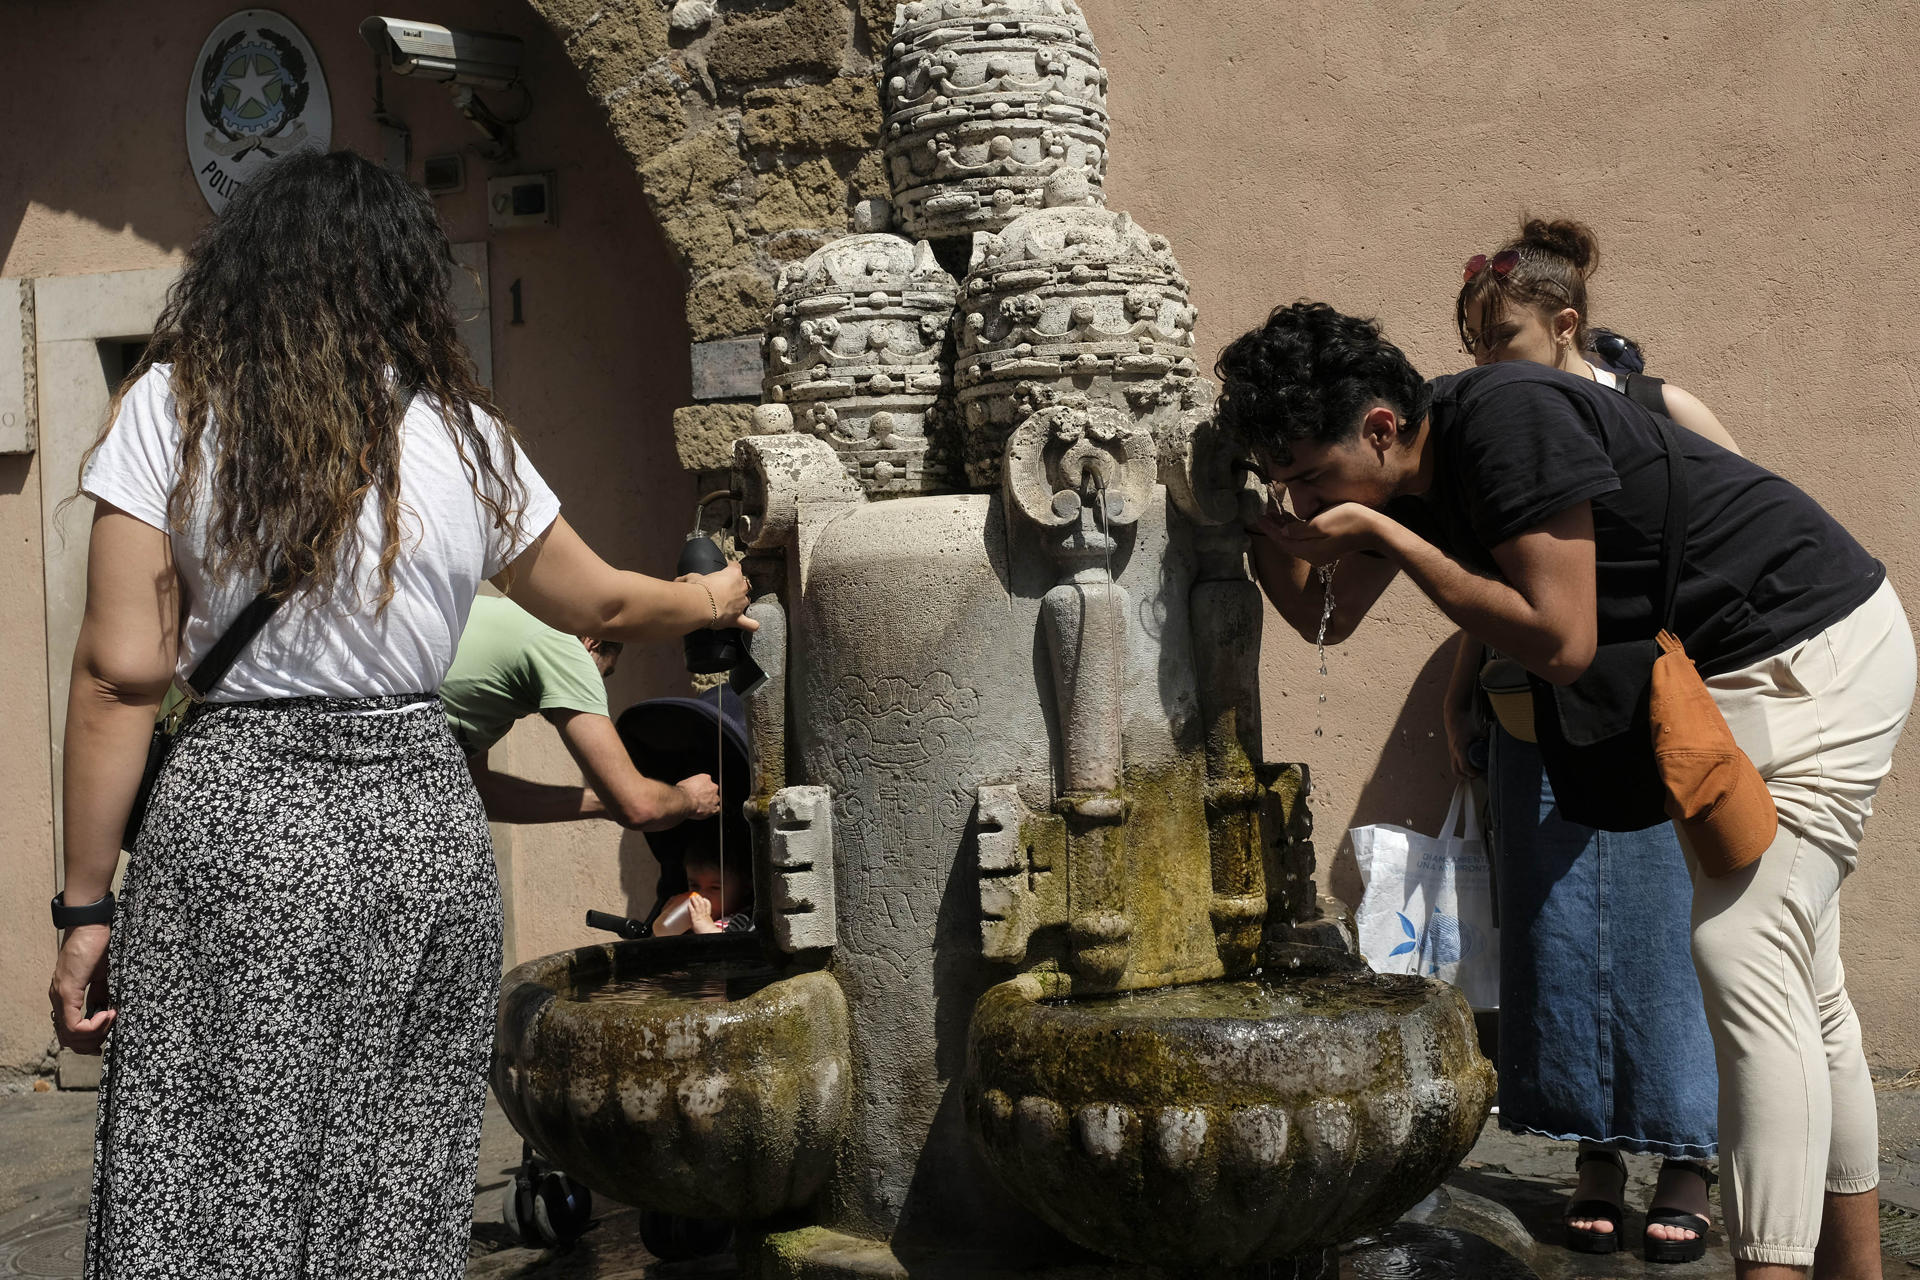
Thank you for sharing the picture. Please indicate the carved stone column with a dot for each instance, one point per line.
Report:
(1082, 473)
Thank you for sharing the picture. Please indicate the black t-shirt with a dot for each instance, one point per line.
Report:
(1764, 567)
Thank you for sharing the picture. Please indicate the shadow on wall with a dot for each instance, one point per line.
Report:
(1411, 781)
(14, 471)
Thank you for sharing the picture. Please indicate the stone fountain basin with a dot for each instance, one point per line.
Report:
(1225, 1122)
(682, 1074)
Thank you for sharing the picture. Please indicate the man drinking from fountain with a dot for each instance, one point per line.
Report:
(1559, 522)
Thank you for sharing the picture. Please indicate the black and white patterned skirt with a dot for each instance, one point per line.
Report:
(304, 962)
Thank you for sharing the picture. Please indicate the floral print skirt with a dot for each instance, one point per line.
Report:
(304, 961)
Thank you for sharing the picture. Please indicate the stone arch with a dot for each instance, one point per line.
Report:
(754, 132)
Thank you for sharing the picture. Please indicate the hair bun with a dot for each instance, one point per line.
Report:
(1571, 240)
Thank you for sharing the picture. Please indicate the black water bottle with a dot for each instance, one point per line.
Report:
(709, 651)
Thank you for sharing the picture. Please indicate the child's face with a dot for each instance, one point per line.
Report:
(727, 896)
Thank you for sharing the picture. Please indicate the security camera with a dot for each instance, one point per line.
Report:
(481, 59)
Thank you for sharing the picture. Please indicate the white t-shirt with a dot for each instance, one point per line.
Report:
(343, 650)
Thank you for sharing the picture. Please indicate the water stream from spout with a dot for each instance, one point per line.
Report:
(1320, 641)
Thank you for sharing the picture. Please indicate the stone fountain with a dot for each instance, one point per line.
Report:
(1041, 984)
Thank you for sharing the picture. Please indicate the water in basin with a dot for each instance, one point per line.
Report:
(1256, 1000)
(715, 981)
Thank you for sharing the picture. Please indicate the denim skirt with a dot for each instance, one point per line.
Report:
(1603, 1036)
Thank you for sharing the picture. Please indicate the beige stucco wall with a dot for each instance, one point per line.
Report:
(1750, 169)
(591, 378)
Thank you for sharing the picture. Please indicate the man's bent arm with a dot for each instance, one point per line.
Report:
(631, 799)
(1547, 619)
(520, 801)
(1296, 592)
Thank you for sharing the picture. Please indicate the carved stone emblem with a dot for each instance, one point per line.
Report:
(985, 101)
(854, 350)
(1069, 298)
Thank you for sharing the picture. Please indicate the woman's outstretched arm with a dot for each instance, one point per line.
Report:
(559, 580)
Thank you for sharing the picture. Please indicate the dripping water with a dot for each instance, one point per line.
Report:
(1320, 641)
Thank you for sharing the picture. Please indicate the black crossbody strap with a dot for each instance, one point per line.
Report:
(1647, 391)
(226, 650)
(240, 633)
(1673, 535)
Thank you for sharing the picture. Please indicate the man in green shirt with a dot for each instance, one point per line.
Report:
(510, 665)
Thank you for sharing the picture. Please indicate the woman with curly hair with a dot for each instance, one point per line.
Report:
(305, 952)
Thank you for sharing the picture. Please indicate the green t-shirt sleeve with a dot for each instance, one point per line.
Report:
(510, 664)
(565, 673)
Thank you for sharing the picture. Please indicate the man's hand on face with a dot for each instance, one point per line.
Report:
(1272, 520)
(1340, 530)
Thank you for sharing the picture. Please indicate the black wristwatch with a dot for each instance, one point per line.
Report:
(66, 917)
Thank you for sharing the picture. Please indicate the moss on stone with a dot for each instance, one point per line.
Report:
(712, 1108)
(1227, 1121)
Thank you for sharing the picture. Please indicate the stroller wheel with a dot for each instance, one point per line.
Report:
(562, 1208)
(516, 1211)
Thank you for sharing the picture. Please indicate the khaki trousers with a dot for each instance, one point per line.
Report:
(1797, 1112)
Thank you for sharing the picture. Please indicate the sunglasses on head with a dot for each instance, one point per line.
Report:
(1501, 263)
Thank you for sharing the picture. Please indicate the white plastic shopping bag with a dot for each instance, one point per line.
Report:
(1428, 905)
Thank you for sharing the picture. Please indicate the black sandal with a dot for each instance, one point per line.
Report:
(1586, 1239)
(1693, 1250)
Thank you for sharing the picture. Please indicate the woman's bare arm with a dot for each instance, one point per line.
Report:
(1684, 408)
(559, 580)
(122, 666)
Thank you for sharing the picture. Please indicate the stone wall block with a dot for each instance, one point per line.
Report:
(841, 115)
(876, 24)
(726, 304)
(794, 246)
(646, 113)
(802, 858)
(703, 434)
(810, 38)
(807, 194)
(707, 239)
(607, 42)
(695, 170)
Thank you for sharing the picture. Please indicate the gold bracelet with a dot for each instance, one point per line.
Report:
(712, 604)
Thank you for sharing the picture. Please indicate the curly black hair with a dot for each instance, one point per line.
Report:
(1309, 373)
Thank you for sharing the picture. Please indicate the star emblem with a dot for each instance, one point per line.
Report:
(251, 84)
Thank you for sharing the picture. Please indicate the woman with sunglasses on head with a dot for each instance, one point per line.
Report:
(1602, 1035)
(305, 953)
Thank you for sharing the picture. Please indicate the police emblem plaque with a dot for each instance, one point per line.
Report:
(257, 92)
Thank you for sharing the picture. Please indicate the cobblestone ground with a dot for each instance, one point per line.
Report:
(1498, 1217)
